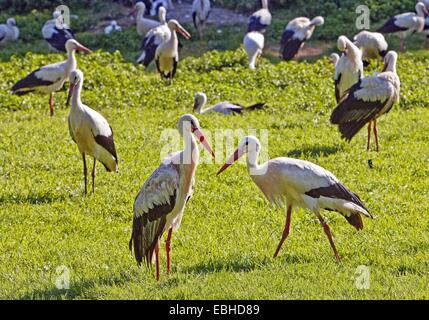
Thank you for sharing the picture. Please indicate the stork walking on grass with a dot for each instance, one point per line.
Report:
(50, 78)
(225, 107)
(348, 69)
(254, 45)
(293, 183)
(9, 31)
(404, 25)
(372, 44)
(90, 131)
(295, 34)
(261, 19)
(57, 33)
(167, 53)
(160, 204)
(367, 100)
(200, 14)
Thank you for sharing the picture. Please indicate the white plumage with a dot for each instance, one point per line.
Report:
(57, 33)
(349, 69)
(334, 58)
(143, 24)
(261, 19)
(50, 78)
(254, 45)
(372, 44)
(112, 27)
(200, 14)
(226, 108)
(90, 131)
(295, 183)
(158, 4)
(9, 31)
(160, 204)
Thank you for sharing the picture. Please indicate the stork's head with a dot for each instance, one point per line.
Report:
(76, 79)
(390, 61)
(342, 43)
(11, 22)
(162, 14)
(250, 145)
(421, 9)
(113, 23)
(189, 124)
(174, 25)
(73, 45)
(140, 7)
(56, 14)
(200, 99)
(318, 21)
(334, 57)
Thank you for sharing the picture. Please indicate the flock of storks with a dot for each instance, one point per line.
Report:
(286, 182)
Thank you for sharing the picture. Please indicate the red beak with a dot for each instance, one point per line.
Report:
(235, 156)
(184, 33)
(83, 49)
(203, 140)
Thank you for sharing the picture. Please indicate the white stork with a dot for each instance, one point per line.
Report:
(57, 33)
(154, 38)
(167, 54)
(372, 44)
(143, 24)
(404, 25)
(90, 131)
(261, 19)
(349, 69)
(112, 27)
(160, 204)
(226, 108)
(158, 4)
(334, 58)
(200, 14)
(296, 33)
(295, 183)
(50, 78)
(254, 45)
(367, 100)
(9, 31)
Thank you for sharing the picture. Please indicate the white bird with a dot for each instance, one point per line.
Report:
(296, 33)
(225, 107)
(143, 25)
(334, 58)
(367, 100)
(50, 78)
(200, 14)
(90, 131)
(293, 183)
(112, 27)
(372, 44)
(261, 19)
(404, 25)
(426, 29)
(154, 38)
(158, 4)
(57, 33)
(160, 204)
(254, 45)
(9, 31)
(349, 69)
(167, 54)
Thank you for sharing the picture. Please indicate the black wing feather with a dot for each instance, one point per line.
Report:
(28, 83)
(289, 46)
(390, 27)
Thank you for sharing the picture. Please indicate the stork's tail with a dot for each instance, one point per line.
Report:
(257, 106)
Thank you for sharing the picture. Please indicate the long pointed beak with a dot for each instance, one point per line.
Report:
(70, 93)
(83, 49)
(203, 141)
(183, 32)
(235, 156)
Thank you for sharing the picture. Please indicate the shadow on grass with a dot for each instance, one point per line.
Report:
(314, 151)
(32, 198)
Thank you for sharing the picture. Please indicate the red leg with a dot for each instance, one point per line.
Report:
(168, 248)
(327, 231)
(157, 260)
(285, 231)
(376, 136)
(369, 136)
(51, 105)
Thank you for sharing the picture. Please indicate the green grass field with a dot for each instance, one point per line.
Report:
(229, 233)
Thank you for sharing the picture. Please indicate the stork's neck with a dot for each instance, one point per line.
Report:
(252, 162)
(162, 17)
(391, 66)
(71, 60)
(76, 100)
(200, 108)
(140, 13)
(191, 151)
(264, 4)
(420, 12)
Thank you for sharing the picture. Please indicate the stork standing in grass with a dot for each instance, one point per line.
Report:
(143, 24)
(154, 38)
(372, 44)
(295, 34)
(293, 183)
(226, 108)
(57, 33)
(200, 14)
(261, 19)
(404, 25)
(160, 204)
(254, 45)
(367, 100)
(167, 54)
(50, 78)
(90, 131)
(9, 31)
(349, 69)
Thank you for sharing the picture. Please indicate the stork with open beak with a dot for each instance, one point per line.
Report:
(90, 131)
(51, 78)
(293, 183)
(160, 204)
(167, 53)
